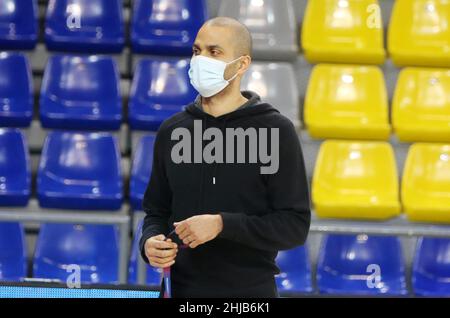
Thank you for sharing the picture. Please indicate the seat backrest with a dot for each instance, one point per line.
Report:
(142, 160)
(423, 89)
(76, 78)
(14, 158)
(357, 165)
(15, 78)
(81, 156)
(352, 254)
(271, 22)
(13, 265)
(95, 17)
(294, 261)
(76, 244)
(275, 83)
(433, 258)
(162, 82)
(427, 165)
(18, 16)
(169, 14)
(426, 23)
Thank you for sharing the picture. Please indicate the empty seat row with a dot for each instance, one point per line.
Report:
(351, 102)
(351, 264)
(59, 248)
(161, 87)
(359, 180)
(295, 276)
(347, 264)
(157, 26)
(83, 92)
(346, 31)
(77, 170)
(342, 101)
(341, 31)
(352, 179)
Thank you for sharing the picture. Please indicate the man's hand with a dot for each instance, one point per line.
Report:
(199, 229)
(160, 253)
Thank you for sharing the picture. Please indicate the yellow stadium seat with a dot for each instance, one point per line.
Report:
(347, 102)
(343, 31)
(356, 180)
(419, 33)
(421, 105)
(426, 183)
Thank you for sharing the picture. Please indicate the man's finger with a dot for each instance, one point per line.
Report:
(159, 237)
(164, 260)
(182, 226)
(162, 253)
(184, 234)
(194, 244)
(189, 239)
(163, 245)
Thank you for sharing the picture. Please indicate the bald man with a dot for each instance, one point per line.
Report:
(214, 215)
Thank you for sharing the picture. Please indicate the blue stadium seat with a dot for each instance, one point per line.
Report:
(141, 170)
(94, 26)
(153, 274)
(13, 261)
(80, 170)
(16, 91)
(295, 271)
(15, 173)
(431, 267)
(166, 27)
(361, 264)
(160, 89)
(18, 24)
(92, 247)
(81, 93)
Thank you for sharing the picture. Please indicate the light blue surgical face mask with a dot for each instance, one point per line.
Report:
(207, 75)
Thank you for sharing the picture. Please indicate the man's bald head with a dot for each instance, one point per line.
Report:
(242, 39)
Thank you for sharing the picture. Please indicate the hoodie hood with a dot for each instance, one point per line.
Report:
(252, 107)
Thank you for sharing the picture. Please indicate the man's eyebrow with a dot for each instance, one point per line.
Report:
(209, 47)
(214, 46)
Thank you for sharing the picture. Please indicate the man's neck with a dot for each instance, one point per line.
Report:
(223, 103)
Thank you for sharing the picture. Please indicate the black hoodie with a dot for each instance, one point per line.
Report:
(262, 213)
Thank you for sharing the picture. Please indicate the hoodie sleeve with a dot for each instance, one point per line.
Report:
(287, 224)
(157, 197)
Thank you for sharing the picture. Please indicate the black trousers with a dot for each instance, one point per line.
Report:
(267, 289)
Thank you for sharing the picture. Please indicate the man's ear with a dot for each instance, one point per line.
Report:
(246, 60)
